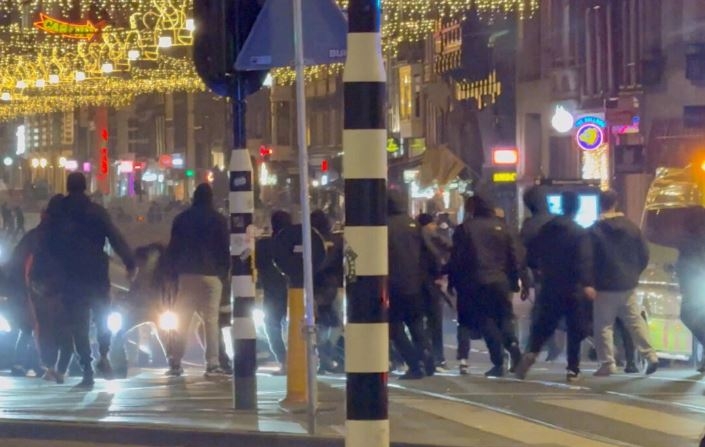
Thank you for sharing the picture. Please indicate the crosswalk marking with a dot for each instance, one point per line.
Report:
(515, 428)
(682, 426)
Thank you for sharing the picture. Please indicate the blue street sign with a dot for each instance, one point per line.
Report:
(271, 41)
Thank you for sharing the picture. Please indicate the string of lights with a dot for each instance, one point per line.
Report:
(62, 54)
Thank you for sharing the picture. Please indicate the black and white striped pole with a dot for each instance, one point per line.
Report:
(242, 240)
(365, 171)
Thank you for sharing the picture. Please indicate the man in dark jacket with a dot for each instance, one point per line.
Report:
(274, 286)
(77, 240)
(199, 256)
(535, 201)
(620, 255)
(484, 270)
(405, 283)
(564, 259)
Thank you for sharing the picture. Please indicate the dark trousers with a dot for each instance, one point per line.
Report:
(274, 313)
(433, 303)
(693, 305)
(54, 336)
(417, 351)
(494, 318)
(80, 305)
(465, 334)
(552, 305)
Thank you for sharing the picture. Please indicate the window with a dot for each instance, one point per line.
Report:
(405, 93)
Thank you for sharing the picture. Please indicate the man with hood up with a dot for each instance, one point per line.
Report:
(484, 269)
(620, 255)
(406, 276)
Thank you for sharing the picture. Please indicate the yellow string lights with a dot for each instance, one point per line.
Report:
(143, 46)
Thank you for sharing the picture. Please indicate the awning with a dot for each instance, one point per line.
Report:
(440, 165)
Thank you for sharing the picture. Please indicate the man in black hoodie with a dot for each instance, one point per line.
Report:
(484, 270)
(405, 295)
(620, 255)
(564, 259)
(199, 257)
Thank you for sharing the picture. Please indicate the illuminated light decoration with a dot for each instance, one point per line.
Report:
(21, 85)
(210, 177)
(562, 120)
(133, 55)
(54, 79)
(40, 83)
(81, 31)
(484, 92)
(190, 25)
(43, 163)
(62, 162)
(35, 163)
(126, 167)
(79, 76)
(504, 177)
(21, 135)
(107, 68)
(165, 42)
(6, 96)
(505, 156)
(7, 161)
(590, 137)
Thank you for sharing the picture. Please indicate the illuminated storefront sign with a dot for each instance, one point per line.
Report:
(590, 136)
(80, 31)
(596, 120)
(504, 177)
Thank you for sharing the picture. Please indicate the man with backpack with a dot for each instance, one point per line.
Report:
(77, 240)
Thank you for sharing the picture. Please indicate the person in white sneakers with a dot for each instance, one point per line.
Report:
(620, 255)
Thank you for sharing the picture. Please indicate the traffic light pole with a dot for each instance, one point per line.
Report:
(365, 170)
(242, 241)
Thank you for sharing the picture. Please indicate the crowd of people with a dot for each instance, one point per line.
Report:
(582, 280)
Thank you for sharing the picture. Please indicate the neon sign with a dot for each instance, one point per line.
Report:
(590, 137)
(590, 120)
(104, 161)
(80, 31)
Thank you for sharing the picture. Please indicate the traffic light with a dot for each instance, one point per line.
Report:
(265, 153)
(221, 28)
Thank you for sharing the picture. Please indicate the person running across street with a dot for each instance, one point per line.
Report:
(620, 255)
(199, 258)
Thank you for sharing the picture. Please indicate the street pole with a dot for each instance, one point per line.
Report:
(365, 171)
(242, 240)
(310, 324)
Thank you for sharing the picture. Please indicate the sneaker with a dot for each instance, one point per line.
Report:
(651, 366)
(87, 381)
(496, 371)
(464, 371)
(442, 367)
(605, 370)
(228, 369)
(572, 376)
(527, 361)
(215, 371)
(175, 371)
(631, 368)
(60, 378)
(412, 374)
(104, 368)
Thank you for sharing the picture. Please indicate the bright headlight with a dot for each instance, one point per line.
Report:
(115, 322)
(5, 325)
(168, 321)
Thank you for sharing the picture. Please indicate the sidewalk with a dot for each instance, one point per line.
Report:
(150, 409)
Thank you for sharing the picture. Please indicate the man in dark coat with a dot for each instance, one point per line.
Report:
(274, 286)
(199, 257)
(484, 270)
(564, 259)
(78, 241)
(405, 296)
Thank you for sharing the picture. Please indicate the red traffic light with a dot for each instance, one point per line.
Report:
(324, 166)
(265, 151)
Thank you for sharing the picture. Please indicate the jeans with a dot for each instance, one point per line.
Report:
(552, 305)
(197, 293)
(495, 320)
(607, 307)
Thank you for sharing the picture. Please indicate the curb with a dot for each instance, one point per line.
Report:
(159, 436)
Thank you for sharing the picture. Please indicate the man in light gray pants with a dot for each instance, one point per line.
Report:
(620, 255)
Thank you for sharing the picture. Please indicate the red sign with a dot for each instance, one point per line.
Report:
(104, 162)
(81, 31)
